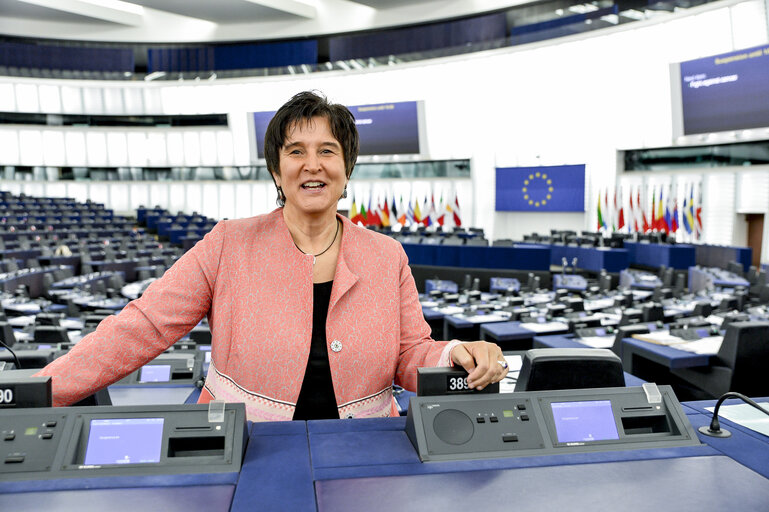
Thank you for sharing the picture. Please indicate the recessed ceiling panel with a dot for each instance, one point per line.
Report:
(219, 11)
(16, 9)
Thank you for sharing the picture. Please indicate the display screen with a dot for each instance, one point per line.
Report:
(124, 441)
(726, 92)
(591, 420)
(155, 373)
(384, 129)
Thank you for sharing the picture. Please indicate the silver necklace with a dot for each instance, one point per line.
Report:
(314, 256)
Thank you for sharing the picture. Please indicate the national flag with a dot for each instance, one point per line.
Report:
(355, 216)
(621, 214)
(663, 225)
(457, 218)
(440, 219)
(689, 212)
(429, 219)
(393, 213)
(403, 217)
(674, 225)
(687, 221)
(601, 223)
(373, 215)
(654, 225)
(644, 219)
(634, 213)
(668, 212)
(698, 214)
(410, 217)
(417, 214)
(385, 215)
(363, 214)
(606, 212)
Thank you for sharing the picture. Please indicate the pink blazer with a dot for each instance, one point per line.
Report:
(256, 289)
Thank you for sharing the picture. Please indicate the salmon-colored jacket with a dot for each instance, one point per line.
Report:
(256, 288)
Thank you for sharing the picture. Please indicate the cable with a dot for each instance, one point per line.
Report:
(714, 430)
(15, 359)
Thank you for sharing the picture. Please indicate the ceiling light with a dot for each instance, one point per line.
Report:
(154, 75)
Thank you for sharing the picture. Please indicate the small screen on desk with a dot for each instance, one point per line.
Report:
(124, 441)
(155, 373)
(577, 422)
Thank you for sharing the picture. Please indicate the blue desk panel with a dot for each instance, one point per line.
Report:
(680, 256)
(202, 498)
(699, 483)
(519, 258)
(276, 473)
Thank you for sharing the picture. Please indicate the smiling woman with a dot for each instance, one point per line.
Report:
(311, 316)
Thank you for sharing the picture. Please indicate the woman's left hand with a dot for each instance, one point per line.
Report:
(483, 362)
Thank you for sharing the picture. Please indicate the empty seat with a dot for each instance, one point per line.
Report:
(740, 364)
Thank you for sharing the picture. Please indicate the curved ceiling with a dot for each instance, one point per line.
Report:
(185, 21)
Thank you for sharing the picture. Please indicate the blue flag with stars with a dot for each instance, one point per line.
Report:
(558, 188)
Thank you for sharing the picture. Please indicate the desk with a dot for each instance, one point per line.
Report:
(371, 465)
(511, 336)
(593, 259)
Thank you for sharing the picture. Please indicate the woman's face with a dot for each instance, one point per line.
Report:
(312, 173)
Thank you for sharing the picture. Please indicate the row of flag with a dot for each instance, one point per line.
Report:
(389, 212)
(660, 214)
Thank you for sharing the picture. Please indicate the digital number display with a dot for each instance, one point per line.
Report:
(586, 421)
(124, 441)
(7, 396)
(456, 384)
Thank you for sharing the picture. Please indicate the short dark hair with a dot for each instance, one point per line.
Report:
(303, 107)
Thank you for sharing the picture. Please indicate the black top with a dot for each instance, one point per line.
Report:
(316, 399)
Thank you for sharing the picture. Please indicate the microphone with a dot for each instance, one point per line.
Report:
(715, 430)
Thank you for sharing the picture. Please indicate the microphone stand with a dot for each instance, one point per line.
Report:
(714, 429)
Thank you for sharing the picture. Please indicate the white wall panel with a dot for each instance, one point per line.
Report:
(50, 99)
(191, 148)
(7, 97)
(178, 198)
(26, 98)
(53, 148)
(224, 148)
(74, 144)
(140, 194)
(175, 146)
(242, 200)
(209, 204)
(208, 151)
(194, 200)
(113, 101)
(753, 192)
(9, 146)
(93, 100)
(71, 99)
(30, 147)
(133, 100)
(96, 148)
(117, 149)
(153, 102)
(137, 149)
(159, 194)
(156, 149)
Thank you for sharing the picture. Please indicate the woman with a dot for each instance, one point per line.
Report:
(311, 317)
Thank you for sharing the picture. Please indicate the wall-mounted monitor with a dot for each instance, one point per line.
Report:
(721, 93)
(385, 129)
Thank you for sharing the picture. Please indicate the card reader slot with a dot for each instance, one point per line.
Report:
(196, 446)
(636, 425)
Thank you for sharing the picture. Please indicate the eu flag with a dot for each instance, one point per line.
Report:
(559, 188)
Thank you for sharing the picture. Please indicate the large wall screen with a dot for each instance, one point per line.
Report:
(384, 129)
(725, 92)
